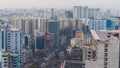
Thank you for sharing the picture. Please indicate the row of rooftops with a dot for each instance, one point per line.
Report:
(104, 35)
(4, 24)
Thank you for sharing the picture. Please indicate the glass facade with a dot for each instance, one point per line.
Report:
(40, 43)
(54, 28)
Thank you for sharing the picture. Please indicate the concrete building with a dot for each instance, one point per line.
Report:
(80, 12)
(28, 25)
(77, 60)
(75, 24)
(94, 13)
(68, 14)
(107, 43)
(103, 24)
(11, 40)
(26, 54)
(79, 40)
(42, 25)
(10, 60)
(85, 12)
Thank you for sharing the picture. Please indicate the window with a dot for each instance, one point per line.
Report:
(105, 50)
(88, 58)
(15, 38)
(5, 65)
(16, 47)
(8, 38)
(105, 63)
(15, 42)
(106, 45)
(89, 55)
(105, 59)
(15, 34)
(8, 34)
(89, 52)
(106, 54)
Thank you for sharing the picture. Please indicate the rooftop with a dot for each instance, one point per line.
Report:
(105, 35)
(99, 35)
(13, 29)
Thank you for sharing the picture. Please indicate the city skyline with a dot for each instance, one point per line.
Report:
(13, 4)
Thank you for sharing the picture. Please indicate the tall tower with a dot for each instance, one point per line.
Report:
(53, 28)
(52, 13)
(11, 42)
(53, 16)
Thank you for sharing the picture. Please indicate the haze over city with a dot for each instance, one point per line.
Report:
(104, 4)
(59, 34)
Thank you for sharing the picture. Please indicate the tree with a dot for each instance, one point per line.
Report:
(33, 66)
(39, 54)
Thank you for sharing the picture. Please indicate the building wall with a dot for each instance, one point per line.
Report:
(2, 39)
(97, 24)
(5, 61)
(53, 27)
(113, 54)
(85, 12)
(28, 25)
(107, 55)
(68, 14)
(12, 40)
(39, 43)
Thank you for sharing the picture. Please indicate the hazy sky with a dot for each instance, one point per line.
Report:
(113, 4)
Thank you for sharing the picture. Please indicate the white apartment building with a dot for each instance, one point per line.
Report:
(28, 25)
(11, 39)
(103, 24)
(80, 12)
(85, 12)
(96, 24)
(108, 43)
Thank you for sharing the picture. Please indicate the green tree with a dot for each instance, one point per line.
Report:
(33, 66)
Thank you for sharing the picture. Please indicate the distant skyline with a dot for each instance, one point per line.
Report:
(104, 4)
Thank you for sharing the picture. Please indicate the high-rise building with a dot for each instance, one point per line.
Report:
(27, 25)
(53, 16)
(39, 40)
(75, 24)
(108, 52)
(11, 39)
(39, 43)
(65, 23)
(42, 24)
(94, 13)
(103, 24)
(80, 12)
(11, 42)
(43, 40)
(10, 60)
(68, 14)
(85, 12)
(53, 27)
